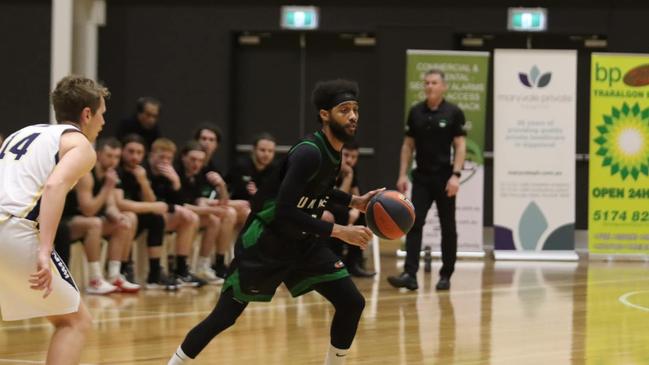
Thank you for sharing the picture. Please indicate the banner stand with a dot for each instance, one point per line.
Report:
(460, 254)
(536, 255)
(534, 147)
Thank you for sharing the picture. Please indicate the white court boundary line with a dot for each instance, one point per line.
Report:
(624, 299)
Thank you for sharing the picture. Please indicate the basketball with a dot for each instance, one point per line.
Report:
(390, 214)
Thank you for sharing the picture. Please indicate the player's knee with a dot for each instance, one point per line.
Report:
(213, 220)
(94, 223)
(356, 303)
(226, 321)
(194, 220)
(84, 322)
(132, 219)
(230, 214)
(80, 321)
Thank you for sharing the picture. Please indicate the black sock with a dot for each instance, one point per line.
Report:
(124, 268)
(220, 260)
(226, 312)
(181, 265)
(154, 269)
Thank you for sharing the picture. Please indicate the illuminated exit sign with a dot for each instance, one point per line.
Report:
(300, 17)
(527, 19)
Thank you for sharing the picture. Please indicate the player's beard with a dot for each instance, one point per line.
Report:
(339, 131)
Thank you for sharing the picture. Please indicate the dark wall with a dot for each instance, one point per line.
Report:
(182, 52)
(24, 63)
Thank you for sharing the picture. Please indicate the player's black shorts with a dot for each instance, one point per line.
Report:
(263, 261)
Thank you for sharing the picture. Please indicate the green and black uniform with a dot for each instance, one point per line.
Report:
(283, 239)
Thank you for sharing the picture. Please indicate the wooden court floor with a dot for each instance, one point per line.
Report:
(495, 313)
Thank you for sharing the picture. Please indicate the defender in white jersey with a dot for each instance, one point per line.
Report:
(39, 164)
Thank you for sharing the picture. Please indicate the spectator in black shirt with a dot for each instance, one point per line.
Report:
(166, 186)
(134, 194)
(218, 219)
(144, 123)
(98, 213)
(347, 181)
(209, 137)
(433, 127)
(249, 172)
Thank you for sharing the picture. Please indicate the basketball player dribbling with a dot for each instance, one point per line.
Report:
(39, 164)
(282, 241)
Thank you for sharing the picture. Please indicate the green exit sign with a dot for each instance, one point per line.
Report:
(300, 17)
(527, 19)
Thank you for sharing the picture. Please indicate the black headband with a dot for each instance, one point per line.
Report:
(339, 99)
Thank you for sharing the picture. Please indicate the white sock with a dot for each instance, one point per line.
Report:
(113, 268)
(95, 270)
(179, 358)
(204, 262)
(335, 356)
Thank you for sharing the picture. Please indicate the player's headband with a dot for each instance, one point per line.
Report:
(339, 99)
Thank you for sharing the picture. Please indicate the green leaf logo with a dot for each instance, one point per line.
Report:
(623, 141)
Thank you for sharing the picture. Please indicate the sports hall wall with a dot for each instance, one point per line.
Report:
(183, 52)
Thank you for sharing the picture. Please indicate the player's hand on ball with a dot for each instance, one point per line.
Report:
(42, 278)
(356, 235)
(360, 202)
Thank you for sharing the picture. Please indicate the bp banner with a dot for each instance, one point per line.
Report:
(534, 154)
(618, 200)
(466, 75)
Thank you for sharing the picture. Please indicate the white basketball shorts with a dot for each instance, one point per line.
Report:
(18, 257)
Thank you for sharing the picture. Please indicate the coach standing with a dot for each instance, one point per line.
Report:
(433, 126)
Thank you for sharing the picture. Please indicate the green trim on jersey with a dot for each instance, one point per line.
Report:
(305, 285)
(322, 139)
(233, 282)
(250, 237)
(267, 212)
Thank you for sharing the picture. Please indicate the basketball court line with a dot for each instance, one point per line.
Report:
(624, 299)
(295, 303)
(16, 361)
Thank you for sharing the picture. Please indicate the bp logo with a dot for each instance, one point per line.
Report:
(623, 141)
(534, 78)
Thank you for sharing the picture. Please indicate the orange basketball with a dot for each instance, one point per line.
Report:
(390, 214)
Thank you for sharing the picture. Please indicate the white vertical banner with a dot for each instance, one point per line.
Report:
(534, 154)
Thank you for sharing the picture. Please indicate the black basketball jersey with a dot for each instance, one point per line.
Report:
(312, 150)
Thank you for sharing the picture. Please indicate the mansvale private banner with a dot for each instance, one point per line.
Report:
(534, 154)
(466, 75)
(618, 202)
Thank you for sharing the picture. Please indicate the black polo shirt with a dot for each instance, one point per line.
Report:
(243, 172)
(433, 132)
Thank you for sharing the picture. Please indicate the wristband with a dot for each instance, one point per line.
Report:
(457, 173)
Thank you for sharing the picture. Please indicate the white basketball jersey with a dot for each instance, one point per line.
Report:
(27, 158)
